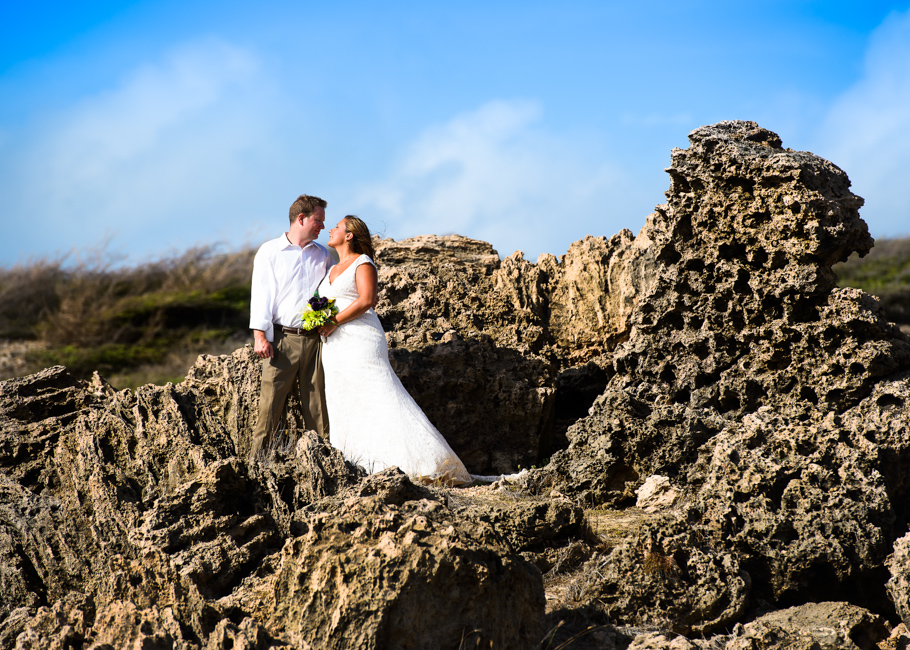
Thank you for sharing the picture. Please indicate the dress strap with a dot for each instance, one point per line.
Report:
(363, 259)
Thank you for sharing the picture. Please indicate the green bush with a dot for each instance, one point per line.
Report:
(93, 315)
(884, 272)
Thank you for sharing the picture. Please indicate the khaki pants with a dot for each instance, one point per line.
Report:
(297, 360)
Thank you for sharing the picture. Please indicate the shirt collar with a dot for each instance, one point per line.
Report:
(286, 243)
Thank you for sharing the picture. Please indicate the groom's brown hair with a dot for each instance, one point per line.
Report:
(305, 205)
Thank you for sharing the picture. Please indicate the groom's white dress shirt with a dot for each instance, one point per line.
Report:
(285, 277)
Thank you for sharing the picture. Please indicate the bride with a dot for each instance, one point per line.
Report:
(372, 418)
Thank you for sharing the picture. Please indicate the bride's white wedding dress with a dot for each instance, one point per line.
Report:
(372, 418)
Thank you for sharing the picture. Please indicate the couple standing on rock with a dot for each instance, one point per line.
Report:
(348, 391)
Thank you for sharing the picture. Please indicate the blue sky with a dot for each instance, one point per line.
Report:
(146, 128)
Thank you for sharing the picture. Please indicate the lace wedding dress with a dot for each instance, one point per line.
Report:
(372, 418)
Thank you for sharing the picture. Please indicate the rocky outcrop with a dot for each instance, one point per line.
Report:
(753, 383)
(593, 291)
(130, 518)
(711, 352)
(363, 576)
(482, 345)
(898, 585)
(822, 626)
(567, 309)
(669, 576)
(743, 311)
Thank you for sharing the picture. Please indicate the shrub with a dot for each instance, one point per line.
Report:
(884, 272)
(94, 315)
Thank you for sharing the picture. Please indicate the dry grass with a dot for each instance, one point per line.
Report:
(615, 526)
(141, 324)
(609, 528)
(577, 619)
(28, 295)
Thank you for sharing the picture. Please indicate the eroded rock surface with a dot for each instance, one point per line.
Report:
(777, 401)
(899, 584)
(743, 311)
(712, 349)
(669, 576)
(371, 571)
(815, 626)
(480, 343)
(132, 520)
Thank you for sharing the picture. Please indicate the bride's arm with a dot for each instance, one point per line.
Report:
(367, 297)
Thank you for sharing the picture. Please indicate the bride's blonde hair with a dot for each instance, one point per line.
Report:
(362, 241)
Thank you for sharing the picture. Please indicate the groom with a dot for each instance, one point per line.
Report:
(286, 273)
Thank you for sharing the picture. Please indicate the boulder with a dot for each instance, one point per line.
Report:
(898, 585)
(667, 575)
(130, 519)
(754, 384)
(371, 575)
(656, 493)
(823, 625)
(813, 626)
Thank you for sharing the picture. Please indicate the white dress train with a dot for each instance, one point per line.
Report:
(372, 418)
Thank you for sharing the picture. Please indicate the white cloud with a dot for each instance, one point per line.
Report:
(867, 130)
(140, 161)
(122, 124)
(497, 174)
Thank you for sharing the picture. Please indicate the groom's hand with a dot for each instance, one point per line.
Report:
(261, 345)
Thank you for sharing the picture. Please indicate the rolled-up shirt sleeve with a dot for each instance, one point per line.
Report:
(262, 296)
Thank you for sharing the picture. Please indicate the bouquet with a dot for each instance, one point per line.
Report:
(318, 312)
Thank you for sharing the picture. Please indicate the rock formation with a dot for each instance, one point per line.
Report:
(481, 344)
(130, 518)
(779, 402)
(712, 352)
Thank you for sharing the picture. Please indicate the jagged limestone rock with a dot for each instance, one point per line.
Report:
(670, 576)
(898, 585)
(826, 625)
(479, 344)
(363, 576)
(752, 382)
(813, 626)
(724, 359)
(132, 519)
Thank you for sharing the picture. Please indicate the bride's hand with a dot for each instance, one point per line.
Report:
(327, 329)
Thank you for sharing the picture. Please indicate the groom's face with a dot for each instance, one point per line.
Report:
(313, 224)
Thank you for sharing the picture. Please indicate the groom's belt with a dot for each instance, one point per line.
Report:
(296, 330)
